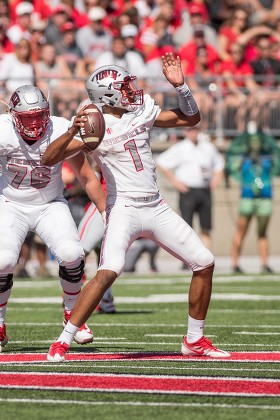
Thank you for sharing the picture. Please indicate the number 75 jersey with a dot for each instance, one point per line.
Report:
(24, 178)
(125, 156)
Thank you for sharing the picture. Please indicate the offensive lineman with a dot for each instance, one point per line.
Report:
(31, 198)
(134, 205)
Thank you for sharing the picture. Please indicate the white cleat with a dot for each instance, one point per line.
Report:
(202, 347)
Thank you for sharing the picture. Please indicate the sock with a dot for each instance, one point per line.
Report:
(195, 329)
(4, 297)
(67, 335)
(71, 292)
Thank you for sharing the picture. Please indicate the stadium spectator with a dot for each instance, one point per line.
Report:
(37, 38)
(59, 16)
(202, 77)
(21, 28)
(155, 38)
(134, 204)
(194, 167)
(169, 9)
(93, 38)
(238, 84)
(16, 68)
(51, 69)
(79, 18)
(53, 73)
(263, 11)
(266, 70)
(253, 159)
(4, 10)
(32, 198)
(71, 52)
(6, 46)
(129, 33)
(191, 17)
(236, 31)
(120, 56)
(188, 50)
(41, 9)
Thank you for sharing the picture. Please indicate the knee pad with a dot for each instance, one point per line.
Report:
(73, 275)
(6, 283)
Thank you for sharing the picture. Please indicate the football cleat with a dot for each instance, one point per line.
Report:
(202, 347)
(84, 334)
(3, 337)
(57, 352)
(106, 305)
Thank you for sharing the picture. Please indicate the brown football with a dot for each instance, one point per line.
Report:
(92, 133)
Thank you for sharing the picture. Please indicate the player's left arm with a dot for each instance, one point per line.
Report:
(187, 115)
(88, 179)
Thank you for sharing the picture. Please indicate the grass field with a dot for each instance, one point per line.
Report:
(133, 369)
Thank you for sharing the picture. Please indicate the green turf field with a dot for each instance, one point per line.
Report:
(151, 318)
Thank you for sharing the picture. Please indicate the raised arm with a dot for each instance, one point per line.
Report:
(187, 115)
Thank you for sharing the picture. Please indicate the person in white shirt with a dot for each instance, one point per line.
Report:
(194, 167)
(94, 38)
(135, 207)
(31, 198)
(16, 68)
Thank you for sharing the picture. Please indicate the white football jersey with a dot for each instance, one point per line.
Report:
(125, 156)
(24, 178)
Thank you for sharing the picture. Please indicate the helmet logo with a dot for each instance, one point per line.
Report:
(15, 99)
(107, 73)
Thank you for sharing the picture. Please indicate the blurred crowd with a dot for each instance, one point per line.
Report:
(230, 49)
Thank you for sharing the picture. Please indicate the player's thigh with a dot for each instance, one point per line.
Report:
(91, 228)
(180, 240)
(58, 230)
(122, 229)
(13, 230)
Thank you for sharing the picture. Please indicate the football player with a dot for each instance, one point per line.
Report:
(31, 198)
(135, 207)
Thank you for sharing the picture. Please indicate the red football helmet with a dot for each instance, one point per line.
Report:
(31, 112)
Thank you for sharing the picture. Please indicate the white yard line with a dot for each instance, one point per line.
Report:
(152, 368)
(124, 324)
(162, 298)
(138, 403)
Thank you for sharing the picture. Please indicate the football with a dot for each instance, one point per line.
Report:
(93, 131)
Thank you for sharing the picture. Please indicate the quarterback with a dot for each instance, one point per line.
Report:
(31, 198)
(135, 207)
